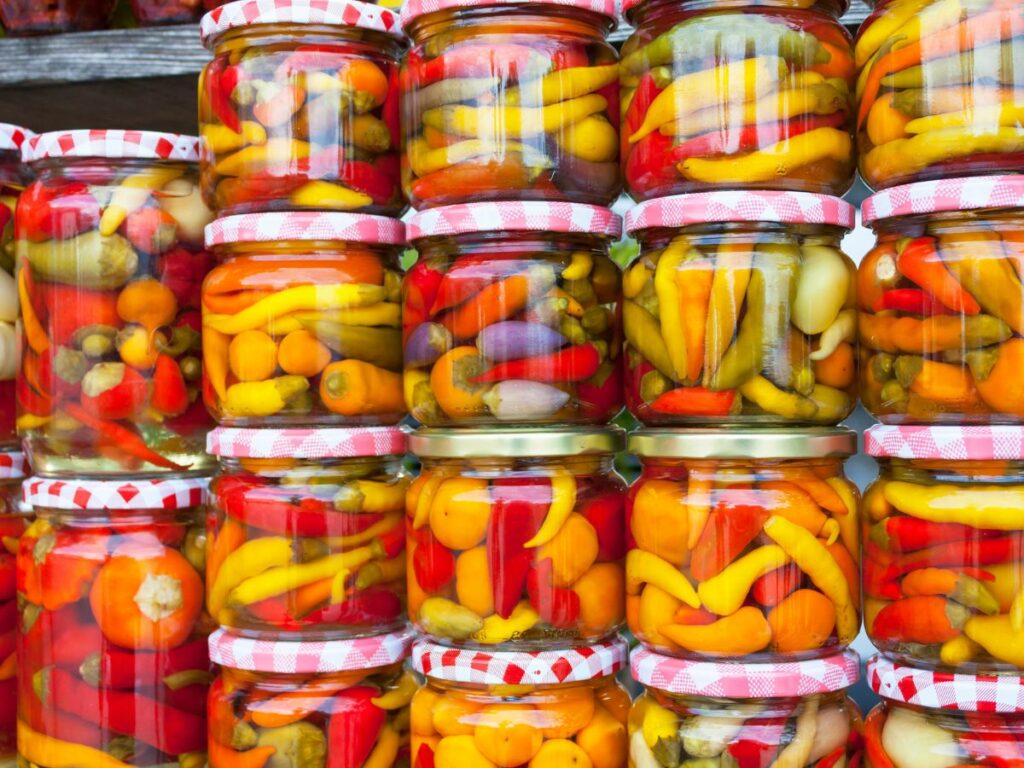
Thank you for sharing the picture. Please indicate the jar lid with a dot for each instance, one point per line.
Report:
(515, 443)
(13, 465)
(13, 136)
(338, 13)
(945, 690)
(114, 144)
(739, 680)
(945, 195)
(570, 665)
(739, 206)
(229, 442)
(842, 6)
(309, 658)
(815, 442)
(968, 443)
(166, 494)
(526, 216)
(304, 225)
(413, 9)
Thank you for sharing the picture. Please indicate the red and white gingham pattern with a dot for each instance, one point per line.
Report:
(306, 443)
(307, 658)
(133, 145)
(13, 136)
(531, 216)
(572, 665)
(975, 443)
(172, 493)
(705, 207)
(736, 680)
(341, 13)
(413, 9)
(12, 465)
(305, 225)
(945, 195)
(945, 690)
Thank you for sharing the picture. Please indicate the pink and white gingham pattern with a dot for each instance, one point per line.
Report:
(572, 665)
(712, 207)
(308, 658)
(341, 13)
(230, 442)
(305, 225)
(736, 680)
(529, 216)
(945, 690)
(131, 145)
(965, 194)
(172, 493)
(413, 9)
(973, 443)
(13, 465)
(13, 136)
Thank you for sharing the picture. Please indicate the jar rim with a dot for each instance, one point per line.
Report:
(944, 196)
(111, 144)
(631, 7)
(994, 442)
(304, 226)
(810, 443)
(415, 9)
(516, 443)
(339, 13)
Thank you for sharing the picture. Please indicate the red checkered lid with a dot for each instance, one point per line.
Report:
(571, 665)
(721, 207)
(528, 216)
(229, 442)
(13, 465)
(945, 690)
(170, 493)
(737, 680)
(309, 658)
(944, 195)
(13, 136)
(337, 13)
(114, 144)
(413, 9)
(304, 225)
(973, 443)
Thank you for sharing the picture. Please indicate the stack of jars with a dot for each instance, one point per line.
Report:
(302, 344)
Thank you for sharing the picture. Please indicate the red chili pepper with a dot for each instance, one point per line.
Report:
(905, 534)
(390, 110)
(920, 619)
(60, 567)
(433, 564)
(646, 168)
(123, 438)
(518, 508)
(758, 742)
(833, 757)
(55, 211)
(31, 400)
(910, 300)
(276, 510)
(353, 728)
(567, 56)
(191, 698)
(424, 757)
(112, 667)
(920, 262)
(569, 364)
(731, 141)
(989, 738)
(881, 580)
(473, 179)
(170, 395)
(695, 401)
(731, 527)
(958, 554)
(600, 397)
(8, 580)
(53, 722)
(877, 757)
(469, 275)
(646, 92)
(219, 81)
(182, 271)
(772, 588)
(605, 512)
(558, 606)
(420, 289)
(70, 308)
(368, 608)
(505, 60)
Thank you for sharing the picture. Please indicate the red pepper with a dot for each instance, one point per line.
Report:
(469, 275)
(170, 395)
(69, 308)
(53, 722)
(920, 619)
(114, 391)
(695, 401)
(354, 726)
(910, 300)
(646, 169)
(182, 271)
(730, 141)
(262, 186)
(219, 81)
(905, 534)
(278, 511)
(569, 364)
(58, 568)
(420, 287)
(369, 608)
(8, 579)
(55, 212)
(772, 588)
(390, 109)
(112, 667)
(126, 440)
(877, 758)
(191, 698)
(518, 508)
(731, 527)
(32, 400)
(433, 564)
(990, 738)
(758, 742)
(833, 757)
(505, 60)
(880, 581)
(959, 554)
(558, 606)
(424, 757)
(646, 92)
(600, 396)
(568, 56)
(473, 180)
(355, 174)
(605, 512)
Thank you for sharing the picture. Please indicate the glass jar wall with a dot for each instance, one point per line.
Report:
(13, 522)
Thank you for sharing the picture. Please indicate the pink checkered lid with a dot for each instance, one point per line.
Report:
(13, 465)
(340, 443)
(968, 443)
(304, 225)
(527, 216)
(335, 13)
(13, 136)
(309, 658)
(170, 493)
(571, 665)
(738, 680)
(725, 206)
(944, 195)
(114, 144)
(413, 9)
(945, 690)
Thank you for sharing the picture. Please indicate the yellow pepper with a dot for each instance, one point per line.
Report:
(499, 123)
(738, 634)
(698, 506)
(831, 405)
(496, 630)
(250, 559)
(635, 279)
(882, 28)
(644, 334)
(219, 138)
(284, 578)
(379, 528)
(768, 397)
(728, 289)
(580, 265)
(442, 617)
(592, 138)
(259, 399)
(423, 160)
(563, 500)
(132, 194)
(669, 310)
(42, 750)
(329, 196)
(400, 695)
(979, 506)
(645, 568)
(389, 741)
(258, 157)
(565, 84)
(980, 118)
(842, 329)
(424, 500)
(370, 496)
(997, 636)
(849, 525)
(906, 156)
(302, 297)
(725, 592)
(798, 751)
(957, 651)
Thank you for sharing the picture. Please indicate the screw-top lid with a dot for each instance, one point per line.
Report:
(527, 216)
(337, 13)
(515, 443)
(228, 442)
(94, 495)
(817, 442)
(13, 136)
(968, 443)
(113, 144)
(945, 195)
(945, 690)
(304, 225)
(413, 9)
(309, 658)
(13, 465)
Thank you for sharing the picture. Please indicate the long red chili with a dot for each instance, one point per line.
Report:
(972, 552)
(122, 437)
(276, 511)
(569, 364)
(695, 401)
(873, 739)
(470, 274)
(505, 60)
(750, 137)
(911, 300)
(906, 534)
(989, 738)
(114, 668)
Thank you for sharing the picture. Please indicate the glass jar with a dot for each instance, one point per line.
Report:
(745, 715)
(153, 12)
(324, 508)
(938, 720)
(551, 709)
(110, 263)
(942, 302)
(498, 98)
(112, 644)
(13, 178)
(944, 555)
(342, 703)
(743, 543)
(734, 95)
(33, 17)
(515, 537)
(299, 108)
(302, 320)
(944, 104)
(511, 315)
(13, 522)
(740, 310)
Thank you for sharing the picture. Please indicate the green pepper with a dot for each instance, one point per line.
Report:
(779, 265)
(989, 64)
(299, 745)
(380, 346)
(644, 334)
(743, 357)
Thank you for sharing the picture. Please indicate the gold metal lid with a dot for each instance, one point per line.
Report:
(818, 442)
(515, 443)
